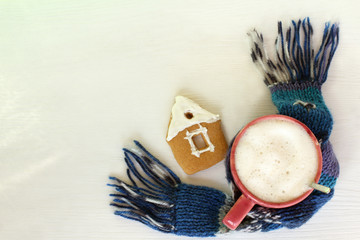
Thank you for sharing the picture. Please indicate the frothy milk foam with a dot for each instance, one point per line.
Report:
(276, 160)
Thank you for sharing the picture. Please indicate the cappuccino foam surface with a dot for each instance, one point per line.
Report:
(276, 160)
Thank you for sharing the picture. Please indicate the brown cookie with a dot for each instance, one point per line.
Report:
(195, 136)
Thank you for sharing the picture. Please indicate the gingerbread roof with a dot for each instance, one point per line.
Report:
(186, 113)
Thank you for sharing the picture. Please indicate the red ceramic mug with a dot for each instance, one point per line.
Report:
(247, 200)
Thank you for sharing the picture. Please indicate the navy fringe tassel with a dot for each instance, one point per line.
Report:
(158, 199)
(150, 204)
(295, 58)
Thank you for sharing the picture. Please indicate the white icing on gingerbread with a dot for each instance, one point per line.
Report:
(194, 150)
(186, 113)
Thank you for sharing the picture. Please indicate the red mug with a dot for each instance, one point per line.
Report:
(247, 200)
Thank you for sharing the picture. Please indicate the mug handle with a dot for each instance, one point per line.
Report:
(238, 212)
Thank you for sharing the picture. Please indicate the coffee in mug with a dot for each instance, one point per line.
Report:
(276, 160)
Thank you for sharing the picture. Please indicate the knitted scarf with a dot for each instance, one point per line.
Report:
(158, 198)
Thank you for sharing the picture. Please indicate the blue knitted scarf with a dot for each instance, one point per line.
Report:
(158, 198)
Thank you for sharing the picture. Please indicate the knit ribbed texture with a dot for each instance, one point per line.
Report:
(290, 100)
(197, 210)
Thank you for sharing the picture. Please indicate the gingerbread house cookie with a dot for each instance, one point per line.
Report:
(195, 136)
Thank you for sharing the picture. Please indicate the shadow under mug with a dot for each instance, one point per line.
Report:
(247, 200)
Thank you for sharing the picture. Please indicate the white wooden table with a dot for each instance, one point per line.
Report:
(80, 79)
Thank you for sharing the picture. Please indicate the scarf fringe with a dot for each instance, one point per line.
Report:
(295, 58)
(151, 203)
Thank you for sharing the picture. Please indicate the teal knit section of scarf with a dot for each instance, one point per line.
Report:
(304, 102)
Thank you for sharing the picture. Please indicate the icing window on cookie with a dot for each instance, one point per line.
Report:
(199, 141)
